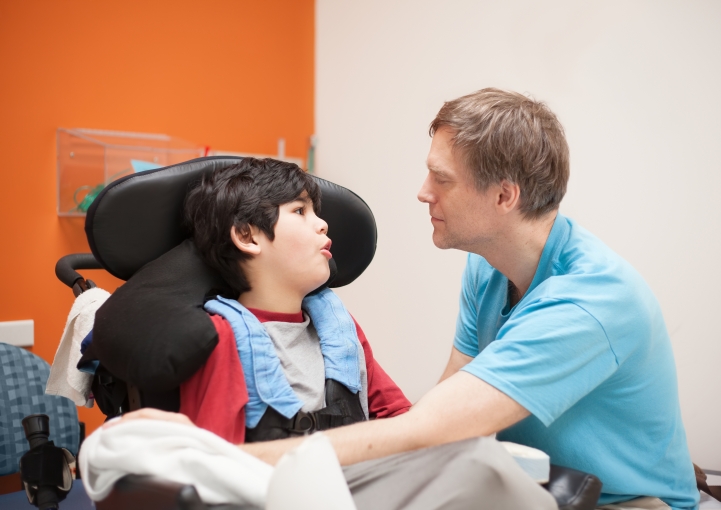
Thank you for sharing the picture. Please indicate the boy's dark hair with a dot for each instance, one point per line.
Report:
(247, 193)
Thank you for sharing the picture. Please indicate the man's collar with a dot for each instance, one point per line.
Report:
(554, 243)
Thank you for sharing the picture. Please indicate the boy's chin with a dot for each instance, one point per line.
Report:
(318, 283)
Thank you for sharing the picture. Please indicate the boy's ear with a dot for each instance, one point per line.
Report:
(245, 239)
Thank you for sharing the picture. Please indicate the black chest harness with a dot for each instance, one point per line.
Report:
(343, 407)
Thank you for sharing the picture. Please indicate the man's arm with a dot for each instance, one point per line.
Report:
(457, 361)
(460, 407)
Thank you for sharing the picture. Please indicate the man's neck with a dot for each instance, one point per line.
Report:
(518, 249)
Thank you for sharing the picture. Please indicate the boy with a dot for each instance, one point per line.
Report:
(304, 368)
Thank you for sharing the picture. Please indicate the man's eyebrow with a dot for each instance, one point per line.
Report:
(440, 173)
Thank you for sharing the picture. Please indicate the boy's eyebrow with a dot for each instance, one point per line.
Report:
(303, 198)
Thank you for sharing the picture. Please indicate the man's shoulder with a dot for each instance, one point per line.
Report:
(603, 284)
(584, 263)
(582, 251)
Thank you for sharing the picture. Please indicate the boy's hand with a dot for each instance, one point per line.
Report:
(148, 413)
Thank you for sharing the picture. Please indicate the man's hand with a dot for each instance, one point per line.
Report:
(148, 413)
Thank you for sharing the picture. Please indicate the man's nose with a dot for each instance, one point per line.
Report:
(424, 194)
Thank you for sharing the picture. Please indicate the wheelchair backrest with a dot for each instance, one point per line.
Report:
(138, 218)
(153, 333)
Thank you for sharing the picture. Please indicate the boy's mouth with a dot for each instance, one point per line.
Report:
(326, 249)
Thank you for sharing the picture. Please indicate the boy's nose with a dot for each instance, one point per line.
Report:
(323, 226)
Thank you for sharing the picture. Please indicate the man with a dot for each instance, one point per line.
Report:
(549, 316)
(559, 344)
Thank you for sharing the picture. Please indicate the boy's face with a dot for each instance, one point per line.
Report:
(298, 256)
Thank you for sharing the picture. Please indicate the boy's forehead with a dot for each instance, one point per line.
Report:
(303, 198)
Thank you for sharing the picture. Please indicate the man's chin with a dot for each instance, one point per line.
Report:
(441, 242)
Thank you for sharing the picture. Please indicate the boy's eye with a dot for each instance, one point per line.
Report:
(300, 210)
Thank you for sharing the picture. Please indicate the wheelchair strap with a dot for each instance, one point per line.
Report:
(110, 393)
(343, 408)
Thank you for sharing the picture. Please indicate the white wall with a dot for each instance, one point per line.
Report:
(636, 85)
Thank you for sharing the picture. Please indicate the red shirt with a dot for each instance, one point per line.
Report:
(214, 397)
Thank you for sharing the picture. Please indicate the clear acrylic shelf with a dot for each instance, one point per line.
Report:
(90, 159)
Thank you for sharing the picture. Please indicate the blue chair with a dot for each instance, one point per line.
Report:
(23, 377)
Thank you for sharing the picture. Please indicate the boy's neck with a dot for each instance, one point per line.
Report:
(271, 299)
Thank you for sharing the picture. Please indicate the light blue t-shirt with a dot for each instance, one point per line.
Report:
(586, 351)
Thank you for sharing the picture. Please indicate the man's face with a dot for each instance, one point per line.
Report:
(462, 216)
(298, 256)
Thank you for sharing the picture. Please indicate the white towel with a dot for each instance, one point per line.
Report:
(310, 477)
(220, 471)
(65, 379)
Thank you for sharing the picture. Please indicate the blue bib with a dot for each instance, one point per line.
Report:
(264, 377)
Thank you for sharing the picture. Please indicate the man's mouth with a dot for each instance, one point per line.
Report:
(326, 249)
(434, 217)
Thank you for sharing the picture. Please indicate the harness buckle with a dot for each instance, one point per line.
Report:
(303, 423)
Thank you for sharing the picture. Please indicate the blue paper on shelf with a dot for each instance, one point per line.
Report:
(142, 166)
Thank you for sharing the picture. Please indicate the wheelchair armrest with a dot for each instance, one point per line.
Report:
(573, 490)
(153, 493)
(150, 493)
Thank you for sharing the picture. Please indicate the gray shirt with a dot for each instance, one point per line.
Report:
(298, 348)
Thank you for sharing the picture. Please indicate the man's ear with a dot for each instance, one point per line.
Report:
(246, 239)
(508, 196)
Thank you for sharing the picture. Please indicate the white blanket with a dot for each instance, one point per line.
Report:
(308, 477)
(65, 379)
(219, 470)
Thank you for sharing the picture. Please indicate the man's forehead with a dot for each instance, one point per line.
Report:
(453, 170)
(443, 159)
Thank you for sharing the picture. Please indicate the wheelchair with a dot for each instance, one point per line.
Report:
(137, 220)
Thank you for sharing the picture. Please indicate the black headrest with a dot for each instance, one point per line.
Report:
(138, 218)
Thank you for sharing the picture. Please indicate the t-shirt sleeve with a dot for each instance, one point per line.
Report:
(385, 398)
(466, 338)
(548, 356)
(214, 397)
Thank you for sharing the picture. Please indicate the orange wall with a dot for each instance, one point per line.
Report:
(234, 75)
